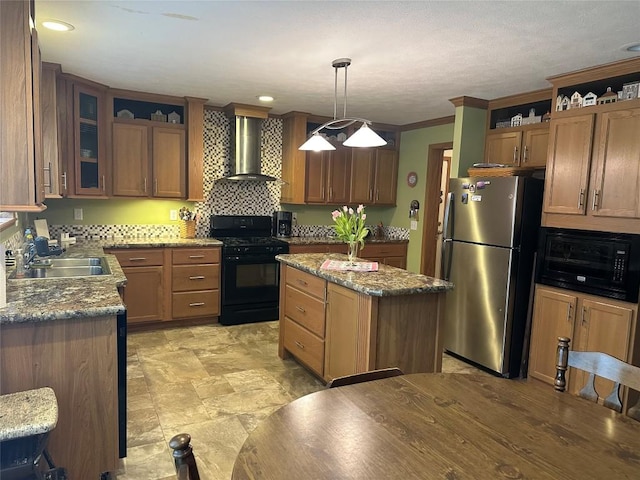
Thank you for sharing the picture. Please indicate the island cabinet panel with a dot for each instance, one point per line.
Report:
(77, 359)
(352, 331)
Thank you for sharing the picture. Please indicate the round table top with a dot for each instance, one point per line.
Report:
(442, 426)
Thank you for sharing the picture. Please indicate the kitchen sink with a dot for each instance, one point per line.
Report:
(66, 268)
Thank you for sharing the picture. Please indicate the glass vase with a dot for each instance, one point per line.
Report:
(352, 252)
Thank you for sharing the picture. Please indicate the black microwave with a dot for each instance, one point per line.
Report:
(600, 263)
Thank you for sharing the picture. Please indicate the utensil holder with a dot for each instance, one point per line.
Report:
(188, 229)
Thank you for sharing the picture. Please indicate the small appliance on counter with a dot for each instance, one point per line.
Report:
(282, 222)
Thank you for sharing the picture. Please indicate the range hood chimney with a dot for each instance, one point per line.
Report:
(246, 137)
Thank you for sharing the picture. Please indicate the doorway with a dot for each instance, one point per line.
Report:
(438, 172)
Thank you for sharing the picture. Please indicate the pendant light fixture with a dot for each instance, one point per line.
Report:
(363, 137)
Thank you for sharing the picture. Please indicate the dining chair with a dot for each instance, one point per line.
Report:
(601, 365)
(365, 377)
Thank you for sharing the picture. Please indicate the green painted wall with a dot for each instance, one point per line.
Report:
(111, 212)
(321, 215)
(468, 139)
(414, 150)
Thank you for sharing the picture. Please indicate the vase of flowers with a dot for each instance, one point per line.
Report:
(349, 227)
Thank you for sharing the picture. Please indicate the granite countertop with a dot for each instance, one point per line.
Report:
(45, 299)
(387, 281)
(323, 240)
(27, 413)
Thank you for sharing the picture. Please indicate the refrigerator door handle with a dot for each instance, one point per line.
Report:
(445, 259)
(448, 212)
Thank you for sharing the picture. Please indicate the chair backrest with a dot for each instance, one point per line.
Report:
(364, 377)
(602, 365)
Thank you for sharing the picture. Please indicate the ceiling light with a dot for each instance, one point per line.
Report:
(57, 25)
(363, 137)
(265, 98)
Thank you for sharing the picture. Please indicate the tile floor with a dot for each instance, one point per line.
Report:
(215, 383)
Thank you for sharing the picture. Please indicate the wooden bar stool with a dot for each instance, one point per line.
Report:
(26, 418)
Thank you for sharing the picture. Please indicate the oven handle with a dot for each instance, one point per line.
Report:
(248, 259)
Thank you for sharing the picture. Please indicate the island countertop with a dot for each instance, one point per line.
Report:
(387, 281)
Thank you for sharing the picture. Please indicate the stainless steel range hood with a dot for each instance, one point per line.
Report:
(246, 139)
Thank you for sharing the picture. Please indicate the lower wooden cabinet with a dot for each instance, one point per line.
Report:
(170, 283)
(336, 331)
(592, 323)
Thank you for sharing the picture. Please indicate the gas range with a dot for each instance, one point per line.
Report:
(250, 271)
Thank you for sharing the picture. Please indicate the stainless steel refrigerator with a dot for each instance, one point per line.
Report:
(489, 240)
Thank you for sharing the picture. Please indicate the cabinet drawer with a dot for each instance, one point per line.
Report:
(305, 310)
(305, 346)
(139, 258)
(195, 277)
(383, 250)
(196, 304)
(185, 256)
(306, 282)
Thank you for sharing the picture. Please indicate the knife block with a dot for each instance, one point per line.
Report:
(188, 229)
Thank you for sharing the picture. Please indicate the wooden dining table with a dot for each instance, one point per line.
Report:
(442, 426)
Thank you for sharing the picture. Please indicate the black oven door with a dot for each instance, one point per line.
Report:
(250, 288)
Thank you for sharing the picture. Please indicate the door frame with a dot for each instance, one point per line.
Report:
(432, 204)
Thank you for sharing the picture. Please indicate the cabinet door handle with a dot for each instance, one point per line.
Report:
(196, 256)
(300, 309)
(525, 154)
(377, 194)
(299, 345)
(581, 198)
(196, 304)
(104, 184)
(197, 277)
(330, 193)
(145, 184)
(595, 204)
(371, 194)
(584, 316)
(137, 259)
(302, 282)
(569, 306)
(515, 154)
(64, 181)
(155, 186)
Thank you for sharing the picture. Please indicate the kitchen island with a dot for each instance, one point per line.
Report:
(338, 323)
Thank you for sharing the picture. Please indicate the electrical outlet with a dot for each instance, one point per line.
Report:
(414, 224)
(77, 214)
(294, 218)
(173, 214)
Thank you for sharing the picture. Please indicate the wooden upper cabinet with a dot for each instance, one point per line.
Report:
(327, 176)
(363, 166)
(568, 165)
(316, 177)
(535, 147)
(616, 185)
(374, 174)
(130, 156)
(503, 148)
(21, 150)
(168, 162)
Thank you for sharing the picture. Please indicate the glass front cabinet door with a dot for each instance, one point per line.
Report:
(89, 152)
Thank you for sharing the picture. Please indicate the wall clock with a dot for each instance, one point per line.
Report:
(412, 179)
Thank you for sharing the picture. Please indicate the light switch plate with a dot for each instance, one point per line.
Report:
(77, 214)
(173, 215)
(414, 224)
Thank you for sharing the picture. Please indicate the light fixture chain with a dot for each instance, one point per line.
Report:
(344, 114)
(335, 94)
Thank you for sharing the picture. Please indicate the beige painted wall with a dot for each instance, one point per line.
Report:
(414, 150)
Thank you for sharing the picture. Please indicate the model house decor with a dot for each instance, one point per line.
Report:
(516, 120)
(158, 116)
(589, 99)
(124, 114)
(173, 117)
(576, 100)
(562, 103)
(630, 91)
(532, 118)
(607, 97)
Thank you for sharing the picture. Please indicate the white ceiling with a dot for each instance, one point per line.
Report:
(408, 58)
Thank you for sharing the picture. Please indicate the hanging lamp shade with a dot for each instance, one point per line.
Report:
(364, 137)
(317, 143)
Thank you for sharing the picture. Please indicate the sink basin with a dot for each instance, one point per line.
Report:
(66, 268)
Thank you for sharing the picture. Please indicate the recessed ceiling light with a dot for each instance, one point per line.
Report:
(265, 98)
(57, 25)
(632, 47)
